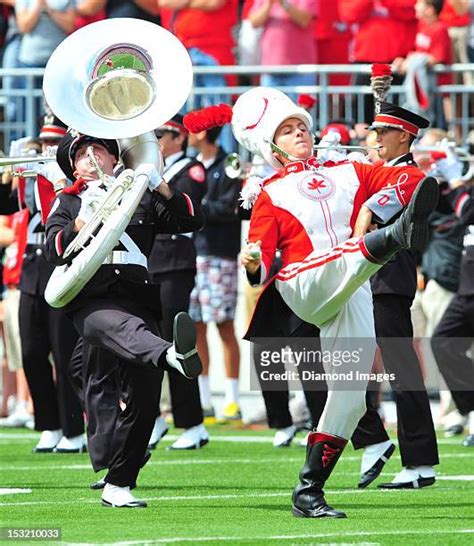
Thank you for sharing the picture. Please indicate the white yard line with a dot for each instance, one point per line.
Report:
(456, 478)
(287, 493)
(14, 491)
(41, 464)
(277, 537)
(214, 438)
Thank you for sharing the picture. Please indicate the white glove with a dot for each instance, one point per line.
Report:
(333, 138)
(18, 147)
(89, 202)
(358, 157)
(52, 172)
(151, 172)
(450, 167)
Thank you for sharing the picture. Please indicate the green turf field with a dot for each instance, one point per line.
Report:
(236, 490)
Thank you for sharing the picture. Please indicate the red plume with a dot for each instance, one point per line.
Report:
(306, 101)
(207, 118)
(381, 70)
(380, 82)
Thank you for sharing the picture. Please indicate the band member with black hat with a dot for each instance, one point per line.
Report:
(115, 313)
(44, 331)
(172, 267)
(393, 289)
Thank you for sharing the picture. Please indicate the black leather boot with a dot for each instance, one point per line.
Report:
(411, 229)
(322, 453)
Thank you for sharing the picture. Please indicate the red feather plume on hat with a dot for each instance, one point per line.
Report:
(207, 118)
(306, 101)
(380, 81)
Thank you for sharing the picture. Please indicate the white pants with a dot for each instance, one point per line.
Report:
(331, 290)
(11, 328)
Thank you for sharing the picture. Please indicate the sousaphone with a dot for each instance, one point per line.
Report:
(114, 79)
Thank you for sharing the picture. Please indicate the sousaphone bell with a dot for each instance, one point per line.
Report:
(120, 90)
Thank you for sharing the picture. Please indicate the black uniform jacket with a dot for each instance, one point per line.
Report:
(397, 276)
(177, 252)
(221, 235)
(154, 214)
(462, 200)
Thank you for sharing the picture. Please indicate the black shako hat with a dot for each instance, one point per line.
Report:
(396, 117)
(68, 145)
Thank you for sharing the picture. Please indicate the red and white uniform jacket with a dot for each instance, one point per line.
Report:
(308, 208)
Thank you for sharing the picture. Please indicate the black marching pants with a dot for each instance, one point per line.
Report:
(415, 429)
(123, 357)
(46, 331)
(175, 293)
(450, 343)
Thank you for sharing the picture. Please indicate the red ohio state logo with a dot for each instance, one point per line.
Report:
(316, 186)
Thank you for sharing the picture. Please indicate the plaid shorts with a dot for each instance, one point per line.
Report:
(214, 297)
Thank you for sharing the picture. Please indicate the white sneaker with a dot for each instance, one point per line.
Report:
(192, 438)
(160, 428)
(76, 444)
(49, 439)
(19, 418)
(114, 496)
(284, 436)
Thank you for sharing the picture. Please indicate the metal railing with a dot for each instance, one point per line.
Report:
(21, 107)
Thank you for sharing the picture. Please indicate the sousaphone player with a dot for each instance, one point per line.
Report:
(115, 312)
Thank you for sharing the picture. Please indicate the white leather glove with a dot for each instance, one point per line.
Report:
(333, 138)
(89, 202)
(151, 172)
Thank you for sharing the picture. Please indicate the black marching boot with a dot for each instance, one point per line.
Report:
(322, 453)
(411, 229)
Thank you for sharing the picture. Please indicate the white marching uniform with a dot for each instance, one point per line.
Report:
(308, 212)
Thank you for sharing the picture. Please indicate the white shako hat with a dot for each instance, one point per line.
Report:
(256, 116)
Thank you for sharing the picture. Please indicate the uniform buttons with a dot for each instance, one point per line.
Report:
(174, 237)
(117, 271)
(140, 221)
(38, 251)
(146, 282)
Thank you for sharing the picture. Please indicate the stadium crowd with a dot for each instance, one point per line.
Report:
(42, 384)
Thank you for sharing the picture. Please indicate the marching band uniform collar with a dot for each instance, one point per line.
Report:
(173, 158)
(405, 159)
(310, 164)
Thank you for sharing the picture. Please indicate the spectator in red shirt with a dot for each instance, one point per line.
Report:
(89, 11)
(205, 28)
(332, 36)
(385, 29)
(458, 19)
(432, 38)
(434, 43)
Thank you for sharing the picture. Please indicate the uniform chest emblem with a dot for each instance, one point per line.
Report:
(316, 186)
